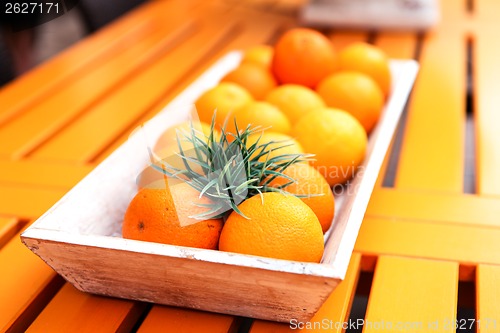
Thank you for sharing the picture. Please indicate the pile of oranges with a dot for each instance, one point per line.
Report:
(307, 98)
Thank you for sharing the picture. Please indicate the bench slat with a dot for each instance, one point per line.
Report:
(25, 132)
(26, 202)
(421, 239)
(432, 155)
(412, 292)
(121, 108)
(439, 207)
(487, 117)
(486, 11)
(177, 320)
(45, 80)
(40, 173)
(74, 311)
(26, 286)
(488, 298)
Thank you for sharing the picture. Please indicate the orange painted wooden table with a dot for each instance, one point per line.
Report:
(428, 252)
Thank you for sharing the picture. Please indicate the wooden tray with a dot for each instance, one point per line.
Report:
(79, 237)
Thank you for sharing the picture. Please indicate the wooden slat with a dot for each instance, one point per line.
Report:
(177, 320)
(26, 286)
(74, 311)
(40, 173)
(27, 202)
(487, 70)
(432, 155)
(92, 51)
(488, 298)
(110, 115)
(412, 295)
(460, 243)
(8, 228)
(486, 12)
(335, 309)
(109, 118)
(444, 208)
(27, 131)
(254, 30)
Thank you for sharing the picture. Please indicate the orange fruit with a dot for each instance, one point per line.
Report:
(337, 139)
(162, 215)
(279, 226)
(313, 186)
(294, 100)
(224, 98)
(288, 144)
(256, 79)
(261, 55)
(369, 60)
(303, 56)
(355, 93)
(261, 114)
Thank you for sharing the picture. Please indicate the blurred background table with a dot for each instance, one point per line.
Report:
(429, 247)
